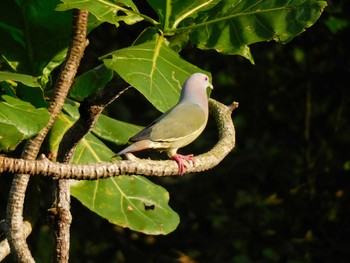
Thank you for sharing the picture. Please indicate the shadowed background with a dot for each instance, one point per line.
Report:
(282, 195)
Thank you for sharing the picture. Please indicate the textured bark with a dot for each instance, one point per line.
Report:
(208, 160)
(14, 213)
(60, 210)
(60, 221)
(4, 245)
(90, 109)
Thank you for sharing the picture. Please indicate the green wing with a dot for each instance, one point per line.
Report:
(183, 120)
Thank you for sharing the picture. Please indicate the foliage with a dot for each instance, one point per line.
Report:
(17, 121)
(153, 66)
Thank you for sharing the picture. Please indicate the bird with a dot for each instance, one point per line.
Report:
(179, 126)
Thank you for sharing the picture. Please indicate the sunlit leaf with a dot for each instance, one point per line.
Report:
(154, 69)
(232, 25)
(106, 128)
(105, 10)
(72, 108)
(172, 12)
(128, 201)
(25, 79)
(25, 119)
(10, 137)
(62, 123)
(115, 131)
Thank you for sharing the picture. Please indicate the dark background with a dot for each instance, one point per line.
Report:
(282, 195)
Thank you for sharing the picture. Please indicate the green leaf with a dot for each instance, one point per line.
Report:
(90, 81)
(25, 79)
(129, 201)
(26, 121)
(56, 60)
(105, 10)
(62, 123)
(8, 88)
(24, 87)
(154, 69)
(179, 41)
(72, 108)
(113, 130)
(232, 25)
(172, 12)
(106, 128)
(92, 150)
(10, 137)
(32, 34)
(33, 95)
(148, 34)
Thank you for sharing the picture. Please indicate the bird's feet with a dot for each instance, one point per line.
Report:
(178, 158)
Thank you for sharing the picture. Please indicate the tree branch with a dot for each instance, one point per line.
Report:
(60, 214)
(90, 109)
(4, 245)
(45, 167)
(14, 213)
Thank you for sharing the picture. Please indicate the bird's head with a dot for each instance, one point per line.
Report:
(197, 87)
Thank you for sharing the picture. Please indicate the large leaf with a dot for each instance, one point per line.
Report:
(15, 77)
(115, 131)
(233, 24)
(32, 37)
(229, 26)
(172, 12)
(106, 128)
(105, 10)
(10, 137)
(19, 120)
(128, 201)
(154, 69)
(90, 81)
(24, 87)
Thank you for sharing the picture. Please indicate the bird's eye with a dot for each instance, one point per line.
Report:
(206, 78)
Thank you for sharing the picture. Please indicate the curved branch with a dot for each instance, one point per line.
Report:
(4, 245)
(45, 167)
(14, 213)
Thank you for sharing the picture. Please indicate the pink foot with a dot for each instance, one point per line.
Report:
(179, 159)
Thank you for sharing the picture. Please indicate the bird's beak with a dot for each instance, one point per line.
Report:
(209, 90)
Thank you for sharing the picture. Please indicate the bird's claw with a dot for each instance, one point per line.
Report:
(178, 158)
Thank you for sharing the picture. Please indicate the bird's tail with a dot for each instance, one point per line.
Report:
(135, 147)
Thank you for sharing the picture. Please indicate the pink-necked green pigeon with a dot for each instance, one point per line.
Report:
(180, 125)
